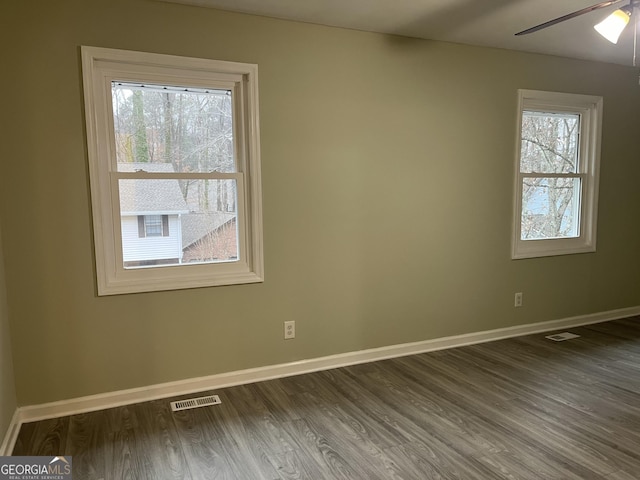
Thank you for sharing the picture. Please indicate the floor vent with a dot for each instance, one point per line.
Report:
(561, 337)
(195, 403)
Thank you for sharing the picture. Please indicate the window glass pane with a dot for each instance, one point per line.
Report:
(200, 217)
(189, 129)
(550, 208)
(153, 225)
(210, 231)
(550, 142)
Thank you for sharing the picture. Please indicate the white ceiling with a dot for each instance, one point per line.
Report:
(490, 23)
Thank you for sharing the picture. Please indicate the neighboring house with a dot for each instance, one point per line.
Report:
(209, 237)
(150, 217)
(159, 228)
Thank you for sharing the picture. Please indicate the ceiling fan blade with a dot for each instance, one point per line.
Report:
(569, 16)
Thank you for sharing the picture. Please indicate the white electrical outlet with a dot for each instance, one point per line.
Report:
(289, 330)
(518, 299)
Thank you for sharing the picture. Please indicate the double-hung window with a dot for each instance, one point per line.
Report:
(557, 164)
(175, 171)
(153, 226)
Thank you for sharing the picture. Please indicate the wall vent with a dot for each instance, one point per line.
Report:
(195, 403)
(561, 337)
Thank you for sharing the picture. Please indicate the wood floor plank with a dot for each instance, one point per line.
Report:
(622, 475)
(516, 409)
(122, 457)
(435, 459)
(85, 442)
(369, 415)
(25, 442)
(336, 427)
(159, 452)
(251, 407)
(46, 438)
(295, 465)
(249, 450)
(331, 462)
(205, 454)
(121, 418)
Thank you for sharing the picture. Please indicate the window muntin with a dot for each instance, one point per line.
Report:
(556, 174)
(175, 138)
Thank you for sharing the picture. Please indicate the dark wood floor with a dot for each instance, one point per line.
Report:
(525, 408)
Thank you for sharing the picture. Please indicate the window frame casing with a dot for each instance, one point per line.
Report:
(589, 107)
(102, 66)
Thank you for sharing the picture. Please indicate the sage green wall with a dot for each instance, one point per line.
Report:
(7, 386)
(387, 178)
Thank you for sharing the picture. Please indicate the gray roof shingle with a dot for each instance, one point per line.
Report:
(150, 197)
(197, 225)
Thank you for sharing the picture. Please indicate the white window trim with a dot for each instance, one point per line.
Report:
(100, 67)
(590, 109)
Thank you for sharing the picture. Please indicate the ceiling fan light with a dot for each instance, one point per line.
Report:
(612, 26)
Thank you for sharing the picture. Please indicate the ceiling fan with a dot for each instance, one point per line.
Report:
(610, 28)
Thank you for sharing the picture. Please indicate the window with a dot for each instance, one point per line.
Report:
(175, 171)
(153, 226)
(557, 166)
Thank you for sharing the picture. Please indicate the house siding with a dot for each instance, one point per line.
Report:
(136, 248)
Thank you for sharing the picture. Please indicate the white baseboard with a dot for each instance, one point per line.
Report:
(12, 434)
(183, 387)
